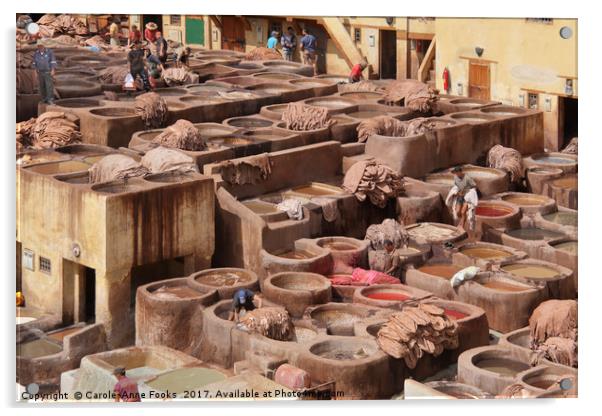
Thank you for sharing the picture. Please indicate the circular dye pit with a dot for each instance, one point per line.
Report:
(534, 234)
(470, 118)
(362, 95)
(531, 271)
(485, 253)
(338, 243)
(315, 189)
(176, 292)
(568, 246)
(440, 179)
(114, 112)
(492, 210)
(249, 122)
(185, 379)
(333, 104)
(277, 75)
(446, 271)
(504, 367)
(78, 103)
(430, 231)
(303, 335)
(224, 278)
(341, 350)
(171, 177)
(229, 141)
(503, 111)
(335, 316)
(366, 114)
(296, 254)
(562, 218)
(272, 89)
(554, 160)
(54, 168)
(526, 200)
(569, 182)
(300, 281)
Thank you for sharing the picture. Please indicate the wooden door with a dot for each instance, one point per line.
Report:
(233, 33)
(388, 54)
(479, 83)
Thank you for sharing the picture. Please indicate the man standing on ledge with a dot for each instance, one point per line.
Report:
(126, 389)
(308, 46)
(45, 65)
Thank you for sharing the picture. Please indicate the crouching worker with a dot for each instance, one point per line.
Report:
(126, 389)
(244, 300)
(463, 200)
(356, 74)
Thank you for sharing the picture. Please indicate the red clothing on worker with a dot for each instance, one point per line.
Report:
(149, 35)
(127, 389)
(356, 73)
(135, 36)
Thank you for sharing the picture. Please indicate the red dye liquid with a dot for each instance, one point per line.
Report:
(489, 211)
(455, 315)
(388, 296)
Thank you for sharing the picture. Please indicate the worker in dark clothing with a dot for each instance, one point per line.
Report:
(161, 47)
(45, 65)
(244, 301)
(137, 65)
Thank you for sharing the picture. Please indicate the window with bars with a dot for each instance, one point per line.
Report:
(357, 34)
(175, 19)
(533, 101)
(45, 265)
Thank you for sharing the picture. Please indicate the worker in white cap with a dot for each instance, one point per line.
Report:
(44, 63)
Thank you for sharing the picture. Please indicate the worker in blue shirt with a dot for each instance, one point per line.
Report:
(273, 40)
(243, 300)
(309, 46)
(45, 65)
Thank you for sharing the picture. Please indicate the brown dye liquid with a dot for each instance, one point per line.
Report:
(61, 167)
(441, 270)
(365, 114)
(486, 253)
(37, 348)
(503, 366)
(503, 286)
(314, 190)
(339, 246)
(440, 180)
(566, 183)
(185, 379)
(533, 234)
(530, 271)
(562, 218)
(223, 279)
(297, 255)
(543, 383)
(59, 335)
(569, 247)
(343, 354)
(260, 207)
(524, 200)
(176, 292)
(304, 334)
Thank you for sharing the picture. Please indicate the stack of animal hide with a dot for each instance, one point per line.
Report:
(263, 54)
(553, 328)
(571, 148)
(372, 180)
(179, 76)
(271, 322)
(161, 159)
(115, 166)
(113, 74)
(181, 135)
(301, 117)
(62, 24)
(152, 108)
(413, 94)
(389, 126)
(248, 170)
(52, 129)
(508, 159)
(389, 229)
(417, 330)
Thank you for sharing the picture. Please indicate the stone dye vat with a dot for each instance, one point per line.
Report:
(537, 176)
(563, 161)
(345, 251)
(497, 214)
(540, 381)
(334, 105)
(434, 233)
(418, 205)
(563, 190)
(385, 296)
(559, 280)
(296, 291)
(182, 381)
(169, 313)
(563, 252)
(507, 302)
(528, 203)
(484, 255)
(305, 256)
(337, 318)
(226, 281)
(491, 368)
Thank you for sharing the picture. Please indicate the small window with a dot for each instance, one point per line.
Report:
(542, 20)
(357, 34)
(175, 19)
(45, 265)
(533, 101)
